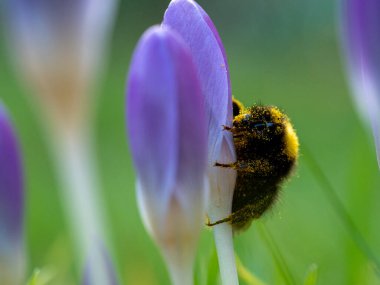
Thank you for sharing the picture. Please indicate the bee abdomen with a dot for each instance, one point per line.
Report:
(252, 197)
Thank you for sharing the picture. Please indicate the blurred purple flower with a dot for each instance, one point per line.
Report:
(168, 139)
(11, 205)
(188, 19)
(106, 267)
(59, 46)
(360, 28)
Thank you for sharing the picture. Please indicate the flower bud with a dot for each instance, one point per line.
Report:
(168, 139)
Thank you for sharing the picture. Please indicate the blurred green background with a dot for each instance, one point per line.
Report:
(281, 52)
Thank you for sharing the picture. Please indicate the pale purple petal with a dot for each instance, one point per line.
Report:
(165, 114)
(168, 139)
(11, 182)
(193, 24)
(49, 24)
(361, 42)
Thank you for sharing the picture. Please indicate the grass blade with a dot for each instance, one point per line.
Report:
(246, 275)
(340, 209)
(311, 275)
(276, 253)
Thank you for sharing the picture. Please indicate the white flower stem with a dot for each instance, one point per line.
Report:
(80, 197)
(226, 255)
(222, 183)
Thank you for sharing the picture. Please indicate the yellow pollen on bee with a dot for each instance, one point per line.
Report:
(240, 117)
(291, 141)
(276, 115)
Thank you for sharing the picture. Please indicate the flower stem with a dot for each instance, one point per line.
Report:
(80, 196)
(222, 184)
(226, 256)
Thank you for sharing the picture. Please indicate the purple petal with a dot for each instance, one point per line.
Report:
(361, 41)
(194, 25)
(11, 184)
(165, 115)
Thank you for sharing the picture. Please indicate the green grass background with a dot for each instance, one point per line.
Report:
(281, 52)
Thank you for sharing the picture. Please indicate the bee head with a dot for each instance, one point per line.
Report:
(262, 122)
(265, 130)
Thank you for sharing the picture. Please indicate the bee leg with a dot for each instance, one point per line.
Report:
(236, 133)
(225, 220)
(239, 165)
(227, 165)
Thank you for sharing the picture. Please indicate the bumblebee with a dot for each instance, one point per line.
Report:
(267, 151)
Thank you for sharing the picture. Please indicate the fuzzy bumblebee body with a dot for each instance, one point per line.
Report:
(267, 151)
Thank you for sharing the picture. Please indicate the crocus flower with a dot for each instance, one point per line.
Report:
(108, 276)
(58, 46)
(11, 205)
(168, 139)
(195, 26)
(361, 43)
